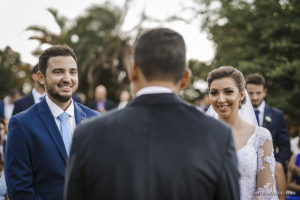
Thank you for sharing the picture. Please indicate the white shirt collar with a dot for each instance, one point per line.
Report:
(36, 95)
(261, 107)
(56, 111)
(153, 90)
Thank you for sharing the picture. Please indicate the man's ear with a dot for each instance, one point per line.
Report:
(184, 81)
(34, 77)
(133, 73)
(41, 77)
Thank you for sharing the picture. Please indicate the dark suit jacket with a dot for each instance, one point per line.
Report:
(156, 148)
(23, 103)
(2, 109)
(35, 158)
(279, 131)
(109, 105)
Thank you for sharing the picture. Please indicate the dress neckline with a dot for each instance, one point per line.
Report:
(248, 139)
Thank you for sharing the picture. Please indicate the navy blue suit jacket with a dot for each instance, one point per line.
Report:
(2, 109)
(35, 158)
(275, 123)
(109, 105)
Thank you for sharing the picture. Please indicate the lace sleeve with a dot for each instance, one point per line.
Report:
(265, 181)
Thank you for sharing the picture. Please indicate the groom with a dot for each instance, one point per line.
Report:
(157, 147)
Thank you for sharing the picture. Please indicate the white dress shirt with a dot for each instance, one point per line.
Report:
(261, 109)
(37, 96)
(56, 111)
(8, 108)
(294, 145)
(153, 90)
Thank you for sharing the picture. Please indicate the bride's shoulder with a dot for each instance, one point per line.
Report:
(263, 133)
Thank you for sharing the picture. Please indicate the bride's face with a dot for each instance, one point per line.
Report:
(225, 96)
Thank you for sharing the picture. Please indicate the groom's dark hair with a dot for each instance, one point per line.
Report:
(161, 55)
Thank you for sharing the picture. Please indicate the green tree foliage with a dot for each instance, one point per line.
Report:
(102, 49)
(199, 74)
(9, 62)
(260, 36)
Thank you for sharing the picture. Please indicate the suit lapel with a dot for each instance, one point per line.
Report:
(31, 99)
(48, 120)
(80, 116)
(267, 113)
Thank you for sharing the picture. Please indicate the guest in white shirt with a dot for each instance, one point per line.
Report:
(7, 105)
(124, 99)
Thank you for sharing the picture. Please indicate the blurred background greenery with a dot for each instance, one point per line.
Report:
(253, 36)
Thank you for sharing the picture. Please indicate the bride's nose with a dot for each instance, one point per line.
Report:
(221, 97)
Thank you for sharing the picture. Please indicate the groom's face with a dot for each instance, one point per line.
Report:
(256, 93)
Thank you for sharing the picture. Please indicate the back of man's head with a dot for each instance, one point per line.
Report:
(256, 79)
(161, 55)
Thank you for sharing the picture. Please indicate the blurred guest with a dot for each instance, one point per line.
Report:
(34, 97)
(7, 105)
(295, 145)
(280, 180)
(2, 135)
(3, 188)
(82, 97)
(201, 102)
(293, 181)
(101, 103)
(269, 117)
(124, 99)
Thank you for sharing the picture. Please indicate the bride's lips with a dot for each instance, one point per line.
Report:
(223, 108)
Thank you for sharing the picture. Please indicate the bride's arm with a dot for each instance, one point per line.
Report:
(265, 167)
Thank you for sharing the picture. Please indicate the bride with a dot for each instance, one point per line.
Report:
(231, 104)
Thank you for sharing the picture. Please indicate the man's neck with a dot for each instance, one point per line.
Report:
(165, 84)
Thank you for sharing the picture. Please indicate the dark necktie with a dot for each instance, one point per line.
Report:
(257, 116)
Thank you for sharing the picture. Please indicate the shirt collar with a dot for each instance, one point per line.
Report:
(56, 111)
(36, 95)
(261, 107)
(153, 90)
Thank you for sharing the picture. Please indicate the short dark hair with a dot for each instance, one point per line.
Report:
(230, 72)
(13, 92)
(35, 69)
(161, 54)
(57, 50)
(256, 79)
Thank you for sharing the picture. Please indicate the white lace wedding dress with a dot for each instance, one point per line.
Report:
(256, 166)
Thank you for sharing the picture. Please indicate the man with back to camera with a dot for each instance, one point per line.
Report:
(269, 117)
(39, 138)
(157, 147)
